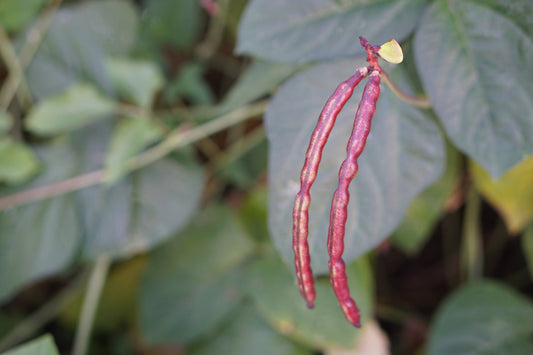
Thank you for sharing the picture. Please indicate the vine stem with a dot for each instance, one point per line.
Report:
(176, 139)
(30, 325)
(471, 248)
(90, 304)
(418, 101)
(17, 65)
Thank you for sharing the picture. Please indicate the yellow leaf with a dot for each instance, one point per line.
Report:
(391, 52)
(511, 194)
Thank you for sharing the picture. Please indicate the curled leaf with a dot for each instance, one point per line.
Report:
(391, 52)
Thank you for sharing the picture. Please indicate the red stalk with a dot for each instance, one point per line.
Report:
(339, 205)
(300, 214)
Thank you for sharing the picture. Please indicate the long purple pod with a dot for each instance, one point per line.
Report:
(300, 213)
(341, 197)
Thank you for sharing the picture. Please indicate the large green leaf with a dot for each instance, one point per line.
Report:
(475, 63)
(6, 122)
(483, 318)
(140, 211)
(77, 43)
(248, 334)
(78, 106)
(43, 345)
(194, 281)
(306, 30)
(276, 296)
(39, 238)
(403, 155)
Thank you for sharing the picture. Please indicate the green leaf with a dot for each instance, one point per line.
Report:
(75, 108)
(6, 121)
(260, 79)
(194, 281)
(39, 238)
(43, 345)
(483, 318)
(404, 154)
(248, 334)
(14, 14)
(170, 22)
(301, 31)
(428, 207)
(77, 43)
(129, 138)
(275, 294)
(527, 249)
(135, 80)
(191, 85)
(17, 162)
(474, 63)
(511, 194)
(143, 209)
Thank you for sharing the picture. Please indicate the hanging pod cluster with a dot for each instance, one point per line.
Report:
(391, 52)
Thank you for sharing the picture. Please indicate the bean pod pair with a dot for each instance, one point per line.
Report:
(341, 197)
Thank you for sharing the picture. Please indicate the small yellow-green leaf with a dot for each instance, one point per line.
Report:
(135, 80)
(6, 121)
(391, 52)
(78, 106)
(17, 162)
(511, 194)
(130, 137)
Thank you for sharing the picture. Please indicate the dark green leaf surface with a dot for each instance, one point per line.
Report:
(403, 155)
(248, 334)
(475, 64)
(306, 30)
(43, 345)
(483, 318)
(77, 43)
(193, 281)
(276, 296)
(171, 22)
(39, 238)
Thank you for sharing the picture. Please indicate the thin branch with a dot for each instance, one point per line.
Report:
(16, 80)
(176, 139)
(33, 323)
(90, 304)
(471, 245)
(418, 101)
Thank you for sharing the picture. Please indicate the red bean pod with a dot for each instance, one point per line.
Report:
(341, 197)
(300, 214)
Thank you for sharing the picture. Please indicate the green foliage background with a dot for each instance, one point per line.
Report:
(150, 152)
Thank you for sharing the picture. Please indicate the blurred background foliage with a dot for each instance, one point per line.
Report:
(135, 213)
